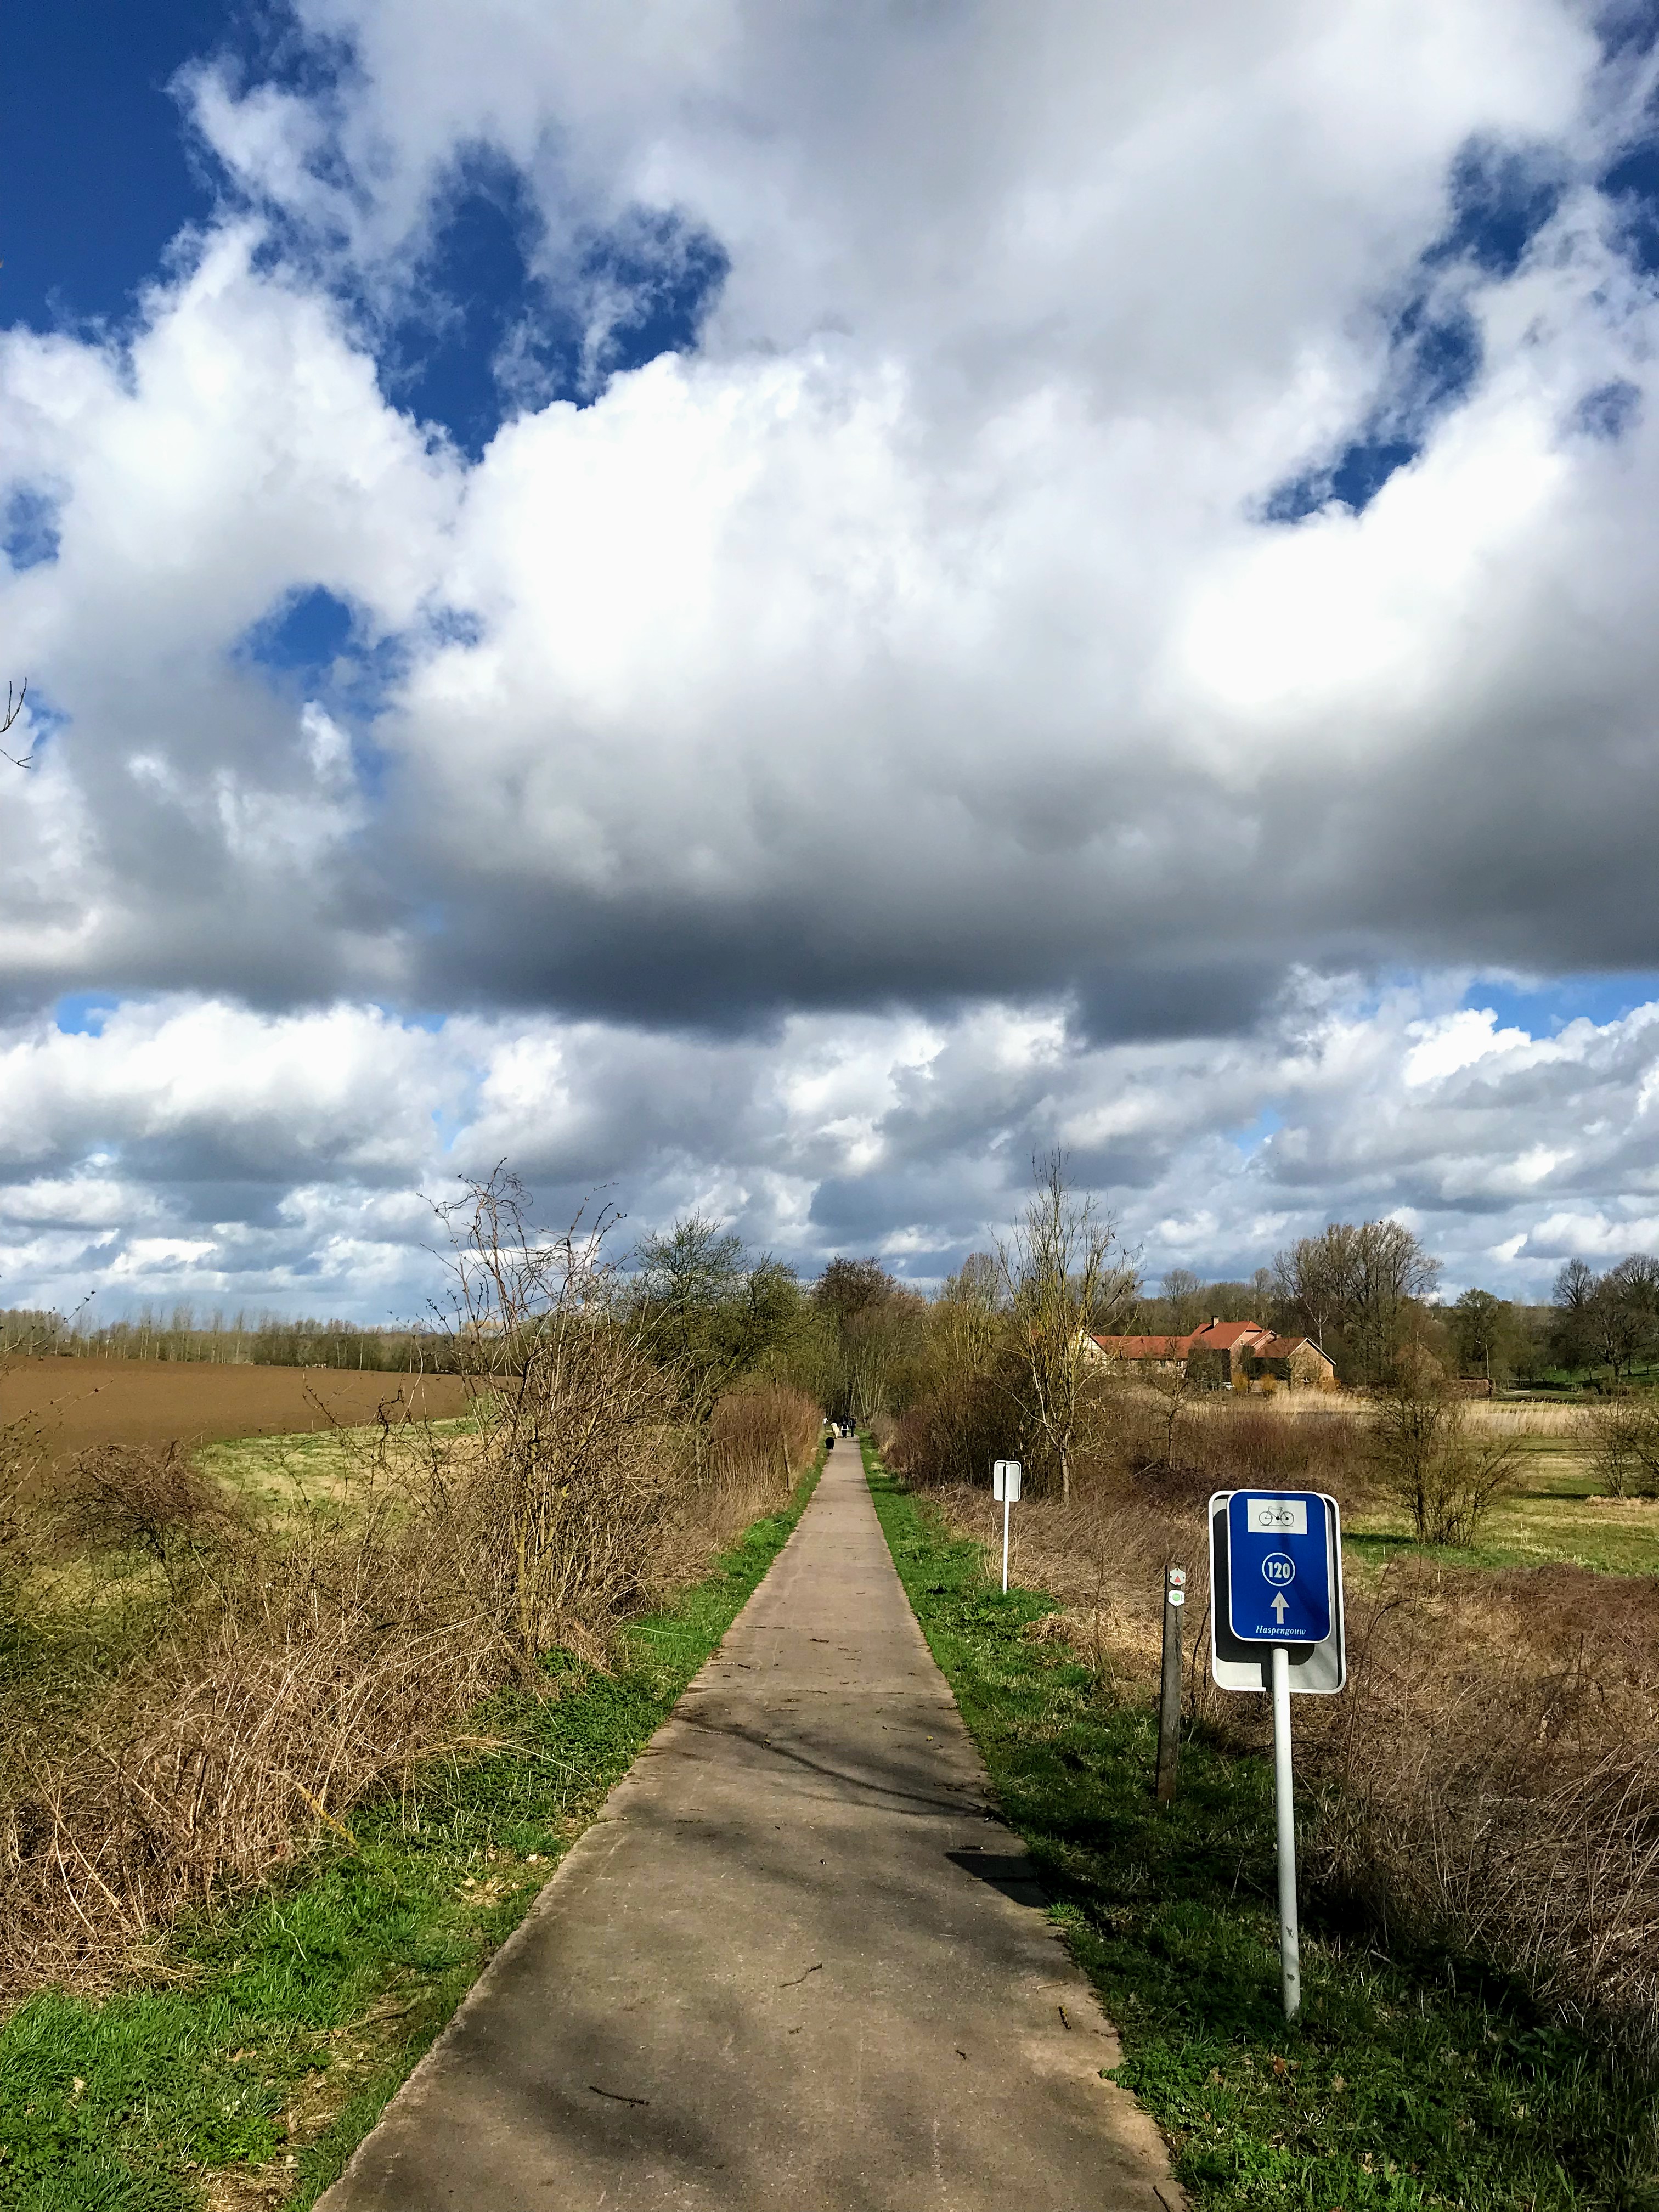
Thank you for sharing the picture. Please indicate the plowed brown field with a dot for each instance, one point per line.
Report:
(69, 1404)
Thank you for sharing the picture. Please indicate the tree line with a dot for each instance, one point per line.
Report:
(861, 1342)
(238, 1339)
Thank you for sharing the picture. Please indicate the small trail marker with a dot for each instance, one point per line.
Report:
(1005, 1485)
(1169, 1704)
(1276, 1625)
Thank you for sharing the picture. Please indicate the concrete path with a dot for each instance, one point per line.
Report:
(798, 1964)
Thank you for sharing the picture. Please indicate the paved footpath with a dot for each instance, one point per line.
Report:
(797, 1966)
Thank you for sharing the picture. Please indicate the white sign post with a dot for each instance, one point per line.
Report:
(1276, 1624)
(1005, 1485)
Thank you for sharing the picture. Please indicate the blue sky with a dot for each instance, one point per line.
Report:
(102, 178)
(108, 174)
(775, 622)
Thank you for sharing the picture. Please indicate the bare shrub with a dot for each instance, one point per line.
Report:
(298, 1674)
(1623, 1435)
(1231, 1445)
(1427, 1459)
(954, 1433)
(19, 1544)
(1495, 1773)
(145, 1499)
(557, 1506)
(1063, 1274)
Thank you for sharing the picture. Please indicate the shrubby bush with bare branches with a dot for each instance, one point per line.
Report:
(1494, 1773)
(197, 1689)
(758, 1438)
(556, 1503)
(137, 1499)
(296, 1670)
(1624, 1443)
(1427, 1458)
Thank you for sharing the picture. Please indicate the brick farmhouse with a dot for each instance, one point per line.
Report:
(1248, 1352)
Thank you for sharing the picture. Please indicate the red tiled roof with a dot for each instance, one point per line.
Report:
(1222, 1335)
(1281, 1348)
(1214, 1336)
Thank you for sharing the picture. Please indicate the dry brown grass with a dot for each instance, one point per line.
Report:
(193, 1696)
(1568, 1423)
(758, 1438)
(1491, 1777)
(1495, 1774)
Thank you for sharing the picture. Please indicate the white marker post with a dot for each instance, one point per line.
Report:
(1290, 1934)
(1005, 1485)
(1276, 1581)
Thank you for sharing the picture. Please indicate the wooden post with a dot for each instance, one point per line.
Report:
(1169, 1707)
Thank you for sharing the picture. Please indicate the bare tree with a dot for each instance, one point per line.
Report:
(1359, 1282)
(1572, 1331)
(1173, 1381)
(1483, 1327)
(1183, 1294)
(1624, 1310)
(709, 1310)
(1311, 1277)
(1064, 1275)
(879, 1343)
(968, 1323)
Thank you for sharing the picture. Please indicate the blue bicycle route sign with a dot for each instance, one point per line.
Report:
(1278, 1567)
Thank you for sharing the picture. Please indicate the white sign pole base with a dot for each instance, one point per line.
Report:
(1005, 1485)
(1290, 1944)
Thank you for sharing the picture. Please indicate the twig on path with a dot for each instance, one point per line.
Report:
(616, 2095)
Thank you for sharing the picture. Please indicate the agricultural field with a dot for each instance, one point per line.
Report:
(64, 1406)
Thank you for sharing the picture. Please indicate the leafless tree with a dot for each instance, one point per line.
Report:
(1360, 1282)
(1482, 1328)
(1609, 1319)
(1064, 1275)
(1183, 1293)
(1173, 1381)
(557, 1506)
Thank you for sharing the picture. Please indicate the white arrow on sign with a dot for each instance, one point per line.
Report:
(1279, 1608)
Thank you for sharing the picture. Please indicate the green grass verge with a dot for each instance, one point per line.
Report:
(277, 2031)
(1407, 2083)
(1554, 1513)
(1621, 1538)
